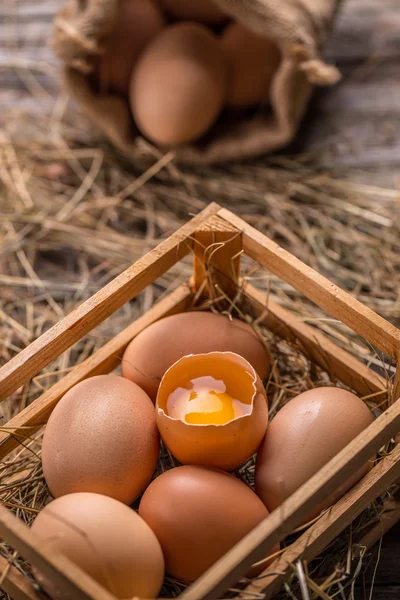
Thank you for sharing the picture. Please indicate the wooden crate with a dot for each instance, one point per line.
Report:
(217, 239)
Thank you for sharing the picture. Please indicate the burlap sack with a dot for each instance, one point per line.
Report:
(299, 28)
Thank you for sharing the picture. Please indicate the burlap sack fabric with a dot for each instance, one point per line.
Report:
(299, 28)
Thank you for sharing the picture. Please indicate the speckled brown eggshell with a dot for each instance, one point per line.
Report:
(203, 11)
(198, 514)
(107, 540)
(101, 437)
(160, 345)
(305, 434)
(137, 24)
(178, 85)
(252, 63)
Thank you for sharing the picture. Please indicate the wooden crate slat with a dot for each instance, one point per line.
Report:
(317, 288)
(15, 584)
(331, 524)
(64, 573)
(283, 520)
(101, 305)
(317, 346)
(102, 361)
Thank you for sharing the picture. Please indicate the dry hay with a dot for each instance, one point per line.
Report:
(73, 214)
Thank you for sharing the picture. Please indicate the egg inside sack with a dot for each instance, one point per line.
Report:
(212, 410)
(138, 22)
(178, 85)
(252, 61)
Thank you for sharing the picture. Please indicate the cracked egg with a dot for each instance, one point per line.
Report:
(212, 410)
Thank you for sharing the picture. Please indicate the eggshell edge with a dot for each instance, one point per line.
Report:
(251, 429)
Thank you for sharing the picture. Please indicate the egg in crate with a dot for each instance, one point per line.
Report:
(198, 515)
(304, 435)
(160, 345)
(101, 437)
(178, 85)
(107, 540)
(212, 410)
(252, 62)
(138, 22)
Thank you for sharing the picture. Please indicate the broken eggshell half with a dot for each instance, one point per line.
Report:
(212, 410)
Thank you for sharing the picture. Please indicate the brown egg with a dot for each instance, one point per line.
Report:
(178, 84)
(305, 434)
(212, 410)
(101, 437)
(139, 21)
(198, 514)
(252, 63)
(159, 346)
(107, 540)
(204, 11)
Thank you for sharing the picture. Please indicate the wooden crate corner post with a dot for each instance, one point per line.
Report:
(217, 246)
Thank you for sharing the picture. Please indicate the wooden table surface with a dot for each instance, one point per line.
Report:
(355, 124)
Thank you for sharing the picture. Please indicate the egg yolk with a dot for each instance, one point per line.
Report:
(205, 400)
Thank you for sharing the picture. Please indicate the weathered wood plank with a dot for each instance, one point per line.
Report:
(365, 28)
